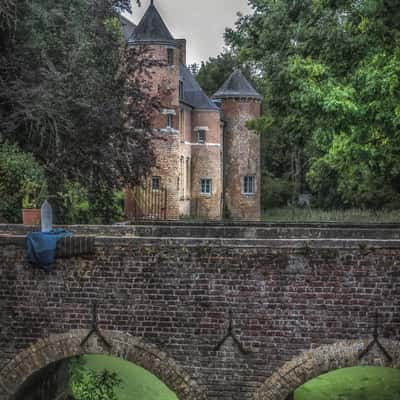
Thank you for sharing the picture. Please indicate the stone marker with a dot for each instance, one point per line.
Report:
(46, 217)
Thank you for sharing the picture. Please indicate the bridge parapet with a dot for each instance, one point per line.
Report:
(230, 312)
(250, 230)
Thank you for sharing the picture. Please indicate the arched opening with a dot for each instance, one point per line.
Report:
(283, 384)
(70, 379)
(50, 352)
(356, 383)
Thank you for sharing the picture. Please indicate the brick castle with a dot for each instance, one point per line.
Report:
(208, 161)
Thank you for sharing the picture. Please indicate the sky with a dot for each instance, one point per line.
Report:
(201, 22)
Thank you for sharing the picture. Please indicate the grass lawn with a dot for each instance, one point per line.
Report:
(137, 383)
(316, 215)
(359, 383)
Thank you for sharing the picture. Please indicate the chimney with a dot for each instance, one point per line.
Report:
(181, 45)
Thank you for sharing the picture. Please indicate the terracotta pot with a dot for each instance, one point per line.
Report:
(31, 216)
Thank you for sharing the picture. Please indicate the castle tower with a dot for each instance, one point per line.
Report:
(242, 176)
(188, 147)
(163, 81)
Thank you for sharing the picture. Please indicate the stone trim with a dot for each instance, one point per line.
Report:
(321, 360)
(168, 111)
(58, 347)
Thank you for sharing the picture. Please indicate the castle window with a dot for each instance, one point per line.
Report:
(156, 183)
(182, 125)
(170, 121)
(206, 186)
(201, 136)
(180, 90)
(170, 53)
(188, 177)
(249, 185)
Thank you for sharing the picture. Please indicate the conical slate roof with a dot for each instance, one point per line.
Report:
(193, 94)
(128, 27)
(152, 30)
(237, 86)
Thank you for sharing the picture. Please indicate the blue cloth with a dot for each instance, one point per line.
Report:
(42, 246)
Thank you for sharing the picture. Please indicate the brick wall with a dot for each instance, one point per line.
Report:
(207, 164)
(284, 296)
(241, 158)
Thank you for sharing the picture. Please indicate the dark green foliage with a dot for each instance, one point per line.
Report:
(214, 72)
(21, 177)
(275, 192)
(92, 385)
(64, 90)
(329, 72)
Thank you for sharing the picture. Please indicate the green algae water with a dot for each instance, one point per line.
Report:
(137, 383)
(358, 383)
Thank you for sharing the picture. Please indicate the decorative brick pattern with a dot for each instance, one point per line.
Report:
(59, 347)
(174, 292)
(322, 360)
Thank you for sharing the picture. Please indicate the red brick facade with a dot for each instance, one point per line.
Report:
(190, 152)
(241, 159)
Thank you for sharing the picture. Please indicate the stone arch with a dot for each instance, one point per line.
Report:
(322, 360)
(58, 347)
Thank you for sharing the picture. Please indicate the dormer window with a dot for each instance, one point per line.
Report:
(201, 136)
(170, 56)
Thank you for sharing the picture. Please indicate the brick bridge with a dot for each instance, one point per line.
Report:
(215, 311)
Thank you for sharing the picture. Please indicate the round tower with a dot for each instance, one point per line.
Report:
(242, 170)
(162, 81)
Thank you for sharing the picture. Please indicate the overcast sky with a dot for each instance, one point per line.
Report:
(201, 22)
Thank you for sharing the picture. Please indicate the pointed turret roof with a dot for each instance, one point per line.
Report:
(193, 94)
(128, 26)
(152, 29)
(237, 86)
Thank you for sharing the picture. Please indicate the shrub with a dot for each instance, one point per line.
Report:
(22, 179)
(276, 192)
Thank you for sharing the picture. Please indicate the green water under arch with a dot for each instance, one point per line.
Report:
(357, 383)
(137, 383)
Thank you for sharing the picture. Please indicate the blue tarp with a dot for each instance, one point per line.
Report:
(42, 246)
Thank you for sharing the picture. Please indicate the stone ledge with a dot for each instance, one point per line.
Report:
(79, 245)
(66, 247)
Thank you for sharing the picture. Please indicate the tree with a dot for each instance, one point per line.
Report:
(329, 73)
(68, 97)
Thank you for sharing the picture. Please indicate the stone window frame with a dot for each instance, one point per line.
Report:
(170, 56)
(251, 182)
(170, 121)
(201, 130)
(201, 136)
(204, 184)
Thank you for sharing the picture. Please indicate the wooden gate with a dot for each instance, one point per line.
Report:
(146, 202)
